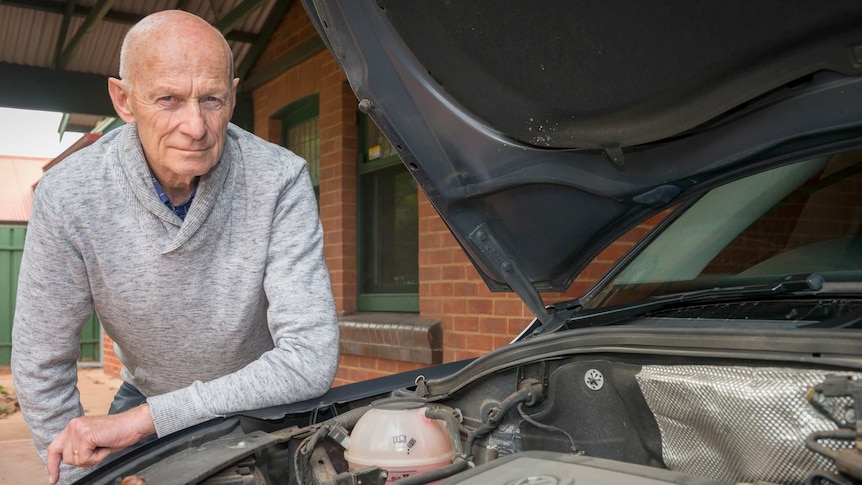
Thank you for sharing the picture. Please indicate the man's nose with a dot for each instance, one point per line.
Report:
(193, 123)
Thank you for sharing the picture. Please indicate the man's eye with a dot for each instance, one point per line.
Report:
(167, 100)
(211, 102)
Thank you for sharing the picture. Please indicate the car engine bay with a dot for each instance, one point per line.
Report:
(610, 405)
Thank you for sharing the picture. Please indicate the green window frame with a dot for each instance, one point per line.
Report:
(300, 133)
(387, 226)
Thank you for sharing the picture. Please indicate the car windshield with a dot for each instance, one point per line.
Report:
(800, 218)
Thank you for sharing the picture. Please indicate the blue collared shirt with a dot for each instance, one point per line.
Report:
(180, 209)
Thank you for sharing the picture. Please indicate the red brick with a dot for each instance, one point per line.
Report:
(440, 256)
(453, 272)
(508, 307)
(429, 273)
(465, 323)
(480, 306)
(464, 290)
(514, 326)
(454, 341)
(386, 365)
(407, 366)
(440, 289)
(493, 326)
(499, 341)
(454, 306)
(479, 343)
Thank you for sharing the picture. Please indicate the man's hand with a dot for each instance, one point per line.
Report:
(88, 440)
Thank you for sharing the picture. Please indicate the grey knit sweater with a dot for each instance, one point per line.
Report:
(226, 311)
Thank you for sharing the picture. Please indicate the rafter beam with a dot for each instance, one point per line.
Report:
(64, 31)
(93, 18)
(43, 89)
(272, 21)
(113, 16)
(271, 71)
(235, 16)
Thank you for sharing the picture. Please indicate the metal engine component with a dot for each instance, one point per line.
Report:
(737, 424)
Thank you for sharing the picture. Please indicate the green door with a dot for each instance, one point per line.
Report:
(11, 249)
(90, 341)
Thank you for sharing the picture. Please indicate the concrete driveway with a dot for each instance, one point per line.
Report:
(19, 462)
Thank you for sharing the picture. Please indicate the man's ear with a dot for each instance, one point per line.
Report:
(120, 98)
(234, 84)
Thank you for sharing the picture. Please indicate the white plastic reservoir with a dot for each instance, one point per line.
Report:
(396, 436)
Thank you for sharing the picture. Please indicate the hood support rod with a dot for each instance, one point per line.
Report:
(496, 257)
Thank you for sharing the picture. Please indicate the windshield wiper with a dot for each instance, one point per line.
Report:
(787, 284)
(792, 283)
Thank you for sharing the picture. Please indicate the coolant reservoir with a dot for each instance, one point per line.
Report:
(396, 436)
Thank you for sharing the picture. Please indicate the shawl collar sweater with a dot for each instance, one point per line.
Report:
(229, 310)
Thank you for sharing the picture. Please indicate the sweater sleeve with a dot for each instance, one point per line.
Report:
(301, 319)
(53, 304)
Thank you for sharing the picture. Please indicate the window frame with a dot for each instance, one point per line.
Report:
(294, 114)
(374, 302)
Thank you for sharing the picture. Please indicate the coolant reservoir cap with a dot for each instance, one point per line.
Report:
(395, 433)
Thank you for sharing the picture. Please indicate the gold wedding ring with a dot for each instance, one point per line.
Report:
(75, 453)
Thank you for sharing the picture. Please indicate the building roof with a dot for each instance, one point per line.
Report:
(56, 55)
(18, 175)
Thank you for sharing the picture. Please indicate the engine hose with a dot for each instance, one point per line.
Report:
(302, 458)
(494, 417)
(433, 475)
(350, 418)
(453, 426)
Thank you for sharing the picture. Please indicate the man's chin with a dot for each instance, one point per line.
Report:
(195, 163)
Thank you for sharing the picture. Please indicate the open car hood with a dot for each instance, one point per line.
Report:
(543, 132)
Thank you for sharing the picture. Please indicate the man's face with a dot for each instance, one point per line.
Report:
(181, 96)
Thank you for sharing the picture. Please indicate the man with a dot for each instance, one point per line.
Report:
(198, 244)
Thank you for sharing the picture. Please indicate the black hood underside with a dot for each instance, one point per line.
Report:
(541, 132)
(617, 73)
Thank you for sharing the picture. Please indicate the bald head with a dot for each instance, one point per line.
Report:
(166, 30)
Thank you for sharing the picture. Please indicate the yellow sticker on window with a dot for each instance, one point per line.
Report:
(374, 152)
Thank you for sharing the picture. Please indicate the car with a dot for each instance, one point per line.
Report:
(725, 347)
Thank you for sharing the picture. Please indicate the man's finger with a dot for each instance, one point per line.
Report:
(86, 458)
(99, 455)
(53, 463)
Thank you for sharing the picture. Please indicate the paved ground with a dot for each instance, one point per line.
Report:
(19, 462)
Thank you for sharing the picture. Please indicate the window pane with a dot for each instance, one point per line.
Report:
(795, 219)
(304, 139)
(390, 245)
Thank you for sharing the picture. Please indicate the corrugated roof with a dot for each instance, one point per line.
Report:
(38, 72)
(29, 30)
(17, 177)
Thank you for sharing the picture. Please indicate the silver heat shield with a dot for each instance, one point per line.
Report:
(737, 424)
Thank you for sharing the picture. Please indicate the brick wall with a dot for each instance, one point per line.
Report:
(110, 363)
(475, 319)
